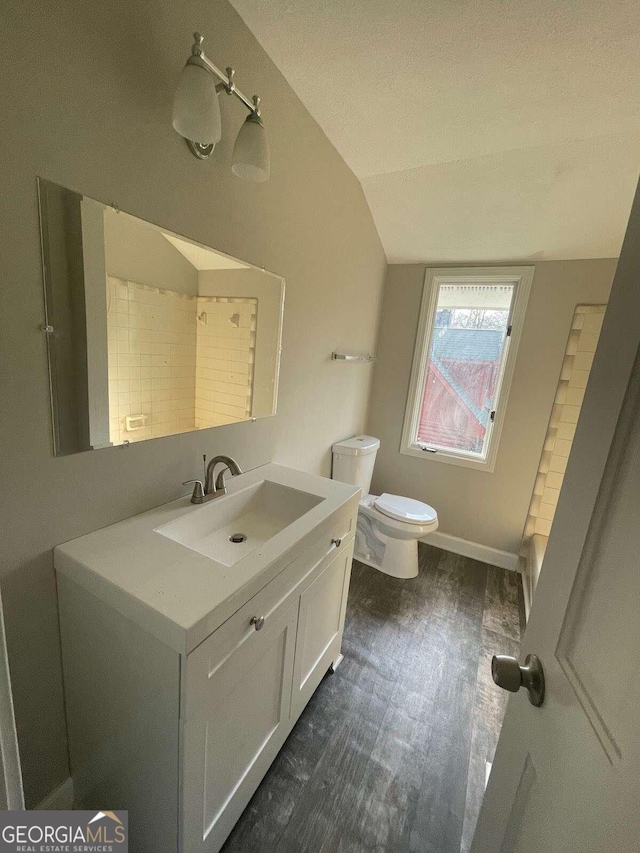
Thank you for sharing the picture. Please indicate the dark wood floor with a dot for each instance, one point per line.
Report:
(389, 755)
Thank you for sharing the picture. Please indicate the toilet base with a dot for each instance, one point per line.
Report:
(399, 558)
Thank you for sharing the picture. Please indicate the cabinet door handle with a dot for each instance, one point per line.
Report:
(337, 541)
(258, 621)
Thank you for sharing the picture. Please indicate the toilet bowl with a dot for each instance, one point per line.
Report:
(389, 526)
(389, 543)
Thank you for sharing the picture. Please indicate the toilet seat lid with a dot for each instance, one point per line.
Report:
(405, 509)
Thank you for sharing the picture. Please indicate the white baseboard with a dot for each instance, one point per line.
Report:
(60, 798)
(483, 553)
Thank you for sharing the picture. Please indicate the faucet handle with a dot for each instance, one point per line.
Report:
(198, 490)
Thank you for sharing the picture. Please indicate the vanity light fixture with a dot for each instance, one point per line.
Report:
(196, 116)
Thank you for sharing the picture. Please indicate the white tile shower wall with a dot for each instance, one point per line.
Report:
(583, 340)
(152, 360)
(226, 339)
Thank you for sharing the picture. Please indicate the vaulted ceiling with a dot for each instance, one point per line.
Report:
(479, 129)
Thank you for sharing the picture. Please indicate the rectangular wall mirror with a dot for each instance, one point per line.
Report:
(149, 333)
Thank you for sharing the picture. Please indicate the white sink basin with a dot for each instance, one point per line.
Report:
(229, 528)
(173, 570)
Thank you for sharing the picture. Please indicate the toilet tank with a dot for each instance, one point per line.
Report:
(353, 461)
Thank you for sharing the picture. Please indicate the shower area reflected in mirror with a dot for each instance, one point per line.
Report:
(149, 333)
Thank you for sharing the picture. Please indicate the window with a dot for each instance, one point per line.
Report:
(468, 335)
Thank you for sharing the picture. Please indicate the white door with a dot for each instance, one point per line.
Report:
(10, 778)
(566, 775)
(320, 625)
(238, 702)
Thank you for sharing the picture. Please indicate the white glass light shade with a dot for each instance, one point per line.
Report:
(251, 159)
(196, 110)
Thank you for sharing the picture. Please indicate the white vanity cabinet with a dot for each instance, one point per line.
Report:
(182, 737)
(245, 688)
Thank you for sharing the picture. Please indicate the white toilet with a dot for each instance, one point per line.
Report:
(389, 526)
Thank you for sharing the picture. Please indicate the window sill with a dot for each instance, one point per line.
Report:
(487, 465)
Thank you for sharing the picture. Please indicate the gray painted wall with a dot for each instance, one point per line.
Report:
(488, 508)
(93, 113)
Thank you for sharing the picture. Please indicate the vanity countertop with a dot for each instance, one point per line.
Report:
(176, 593)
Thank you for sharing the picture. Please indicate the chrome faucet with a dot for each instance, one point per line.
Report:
(209, 491)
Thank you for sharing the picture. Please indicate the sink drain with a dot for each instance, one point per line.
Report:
(237, 538)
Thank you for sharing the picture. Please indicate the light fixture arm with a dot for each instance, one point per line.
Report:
(227, 82)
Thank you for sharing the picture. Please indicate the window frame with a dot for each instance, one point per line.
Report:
(521, 278)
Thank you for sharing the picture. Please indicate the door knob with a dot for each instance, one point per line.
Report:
(510, 675)
(257, 621)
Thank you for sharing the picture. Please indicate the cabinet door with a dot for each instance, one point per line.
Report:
(320, 625)
(237, 718)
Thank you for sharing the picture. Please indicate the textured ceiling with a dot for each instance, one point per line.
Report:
(479, 129)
